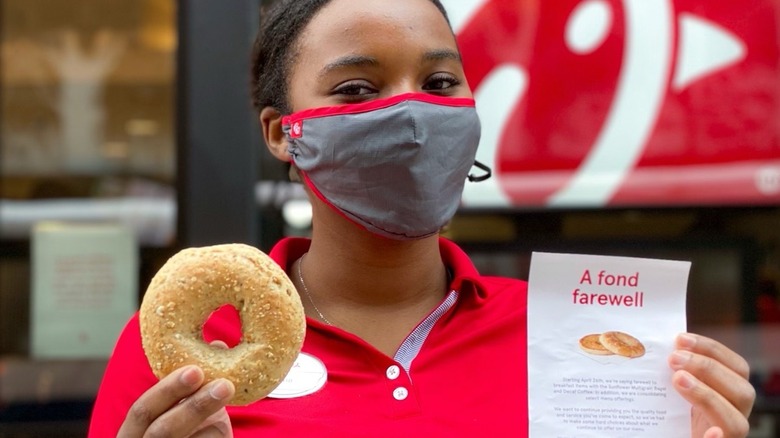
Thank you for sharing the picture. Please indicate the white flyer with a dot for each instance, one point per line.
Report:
(600, 331)
(85, 287)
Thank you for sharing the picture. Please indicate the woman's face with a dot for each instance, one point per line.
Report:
(356, 51)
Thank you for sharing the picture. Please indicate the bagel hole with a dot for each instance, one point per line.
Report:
(224, 324)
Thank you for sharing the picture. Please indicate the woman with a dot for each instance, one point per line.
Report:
(413, 339)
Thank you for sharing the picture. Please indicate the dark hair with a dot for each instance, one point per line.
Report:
(274, 48)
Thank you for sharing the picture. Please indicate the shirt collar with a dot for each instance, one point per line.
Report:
(465, 277)
(288, 250)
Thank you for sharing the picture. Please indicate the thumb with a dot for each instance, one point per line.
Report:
(219, 344)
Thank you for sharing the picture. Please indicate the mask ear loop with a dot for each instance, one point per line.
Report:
(478, 178)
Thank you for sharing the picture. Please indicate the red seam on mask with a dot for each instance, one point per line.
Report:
(377, 104)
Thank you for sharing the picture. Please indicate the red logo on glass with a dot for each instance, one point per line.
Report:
(624, 102)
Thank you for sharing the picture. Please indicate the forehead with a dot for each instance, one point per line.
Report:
(377, 26)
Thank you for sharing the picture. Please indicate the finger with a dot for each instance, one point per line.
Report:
(189, 415)
(714, 349)
(209, 432)
(219, 344)
(221, 421)
(159, 398)
(723, 380)
(712, 405)
(714, 432)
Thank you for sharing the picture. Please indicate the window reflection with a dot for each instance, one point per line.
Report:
(88, 112)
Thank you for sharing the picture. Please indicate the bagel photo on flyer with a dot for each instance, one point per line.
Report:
(616, 318)
(612, 343)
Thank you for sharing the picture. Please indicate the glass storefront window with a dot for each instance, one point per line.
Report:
(87, 114)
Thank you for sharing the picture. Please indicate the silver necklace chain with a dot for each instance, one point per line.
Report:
(308, 295)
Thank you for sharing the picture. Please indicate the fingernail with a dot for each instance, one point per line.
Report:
(191, 376)
(678, 359)
(686, 381)
(221, 389)
(686, 340)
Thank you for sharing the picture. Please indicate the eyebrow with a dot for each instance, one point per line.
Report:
(349, 61)
(361, 60)
(442, 54)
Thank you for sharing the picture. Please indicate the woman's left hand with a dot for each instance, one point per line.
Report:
(714, 379)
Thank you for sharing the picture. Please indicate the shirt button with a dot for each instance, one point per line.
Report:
(393, 372)
(400, 393)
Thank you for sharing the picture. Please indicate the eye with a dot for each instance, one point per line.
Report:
(441, 82)
(354, 91)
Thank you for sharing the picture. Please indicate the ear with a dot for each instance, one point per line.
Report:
(271, 122)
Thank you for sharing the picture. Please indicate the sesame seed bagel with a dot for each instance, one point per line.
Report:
(197, 281)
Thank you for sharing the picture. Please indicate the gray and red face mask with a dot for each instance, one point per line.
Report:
(394, 166)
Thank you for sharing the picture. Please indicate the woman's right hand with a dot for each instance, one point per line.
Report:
(180, 405)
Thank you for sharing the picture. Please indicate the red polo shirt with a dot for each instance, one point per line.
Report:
(461, 373)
